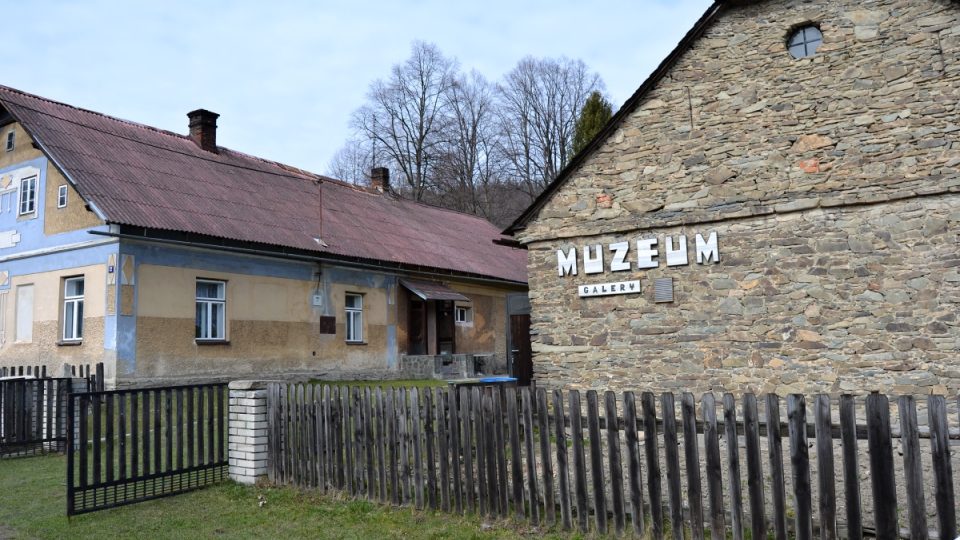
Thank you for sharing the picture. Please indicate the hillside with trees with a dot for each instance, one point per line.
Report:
(455, 139)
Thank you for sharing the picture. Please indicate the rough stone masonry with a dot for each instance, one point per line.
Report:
(832, 182)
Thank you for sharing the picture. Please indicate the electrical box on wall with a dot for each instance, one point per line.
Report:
(318, 300)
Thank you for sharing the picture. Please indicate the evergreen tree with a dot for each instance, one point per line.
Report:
(595, 114)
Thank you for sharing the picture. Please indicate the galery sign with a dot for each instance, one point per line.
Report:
(647, 257)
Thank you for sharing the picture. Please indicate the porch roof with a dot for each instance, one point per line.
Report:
(431, 290)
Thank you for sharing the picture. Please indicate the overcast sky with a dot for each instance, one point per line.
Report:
(285, 76)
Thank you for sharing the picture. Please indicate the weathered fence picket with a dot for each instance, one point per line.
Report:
(653, 463)
(775, 454)
(633, 456)
(503, 451)
(672, 456)
(751, 429)
(851, 469)
(942, 469)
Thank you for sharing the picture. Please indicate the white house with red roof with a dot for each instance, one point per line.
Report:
(170, 258)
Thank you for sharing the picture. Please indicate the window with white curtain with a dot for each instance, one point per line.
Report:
(211, 310)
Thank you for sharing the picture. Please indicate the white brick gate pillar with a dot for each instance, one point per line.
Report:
(248, 431)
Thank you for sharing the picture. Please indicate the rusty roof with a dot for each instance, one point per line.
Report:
(141, 176)
(431, 290)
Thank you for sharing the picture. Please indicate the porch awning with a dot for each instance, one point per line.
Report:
(429, 290)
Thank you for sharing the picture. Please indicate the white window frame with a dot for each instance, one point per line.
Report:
(28, 188)
(467, 311)
(354, 318)
(209, 304)
(11, 140)
(62, 196)
(72, 327)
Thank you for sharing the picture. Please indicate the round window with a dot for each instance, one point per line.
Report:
(805, 41)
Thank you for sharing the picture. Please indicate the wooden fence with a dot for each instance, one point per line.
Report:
(539, 457)
(127, 446)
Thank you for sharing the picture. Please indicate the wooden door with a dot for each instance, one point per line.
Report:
(522, 353)
(417, 327)
(446, 328)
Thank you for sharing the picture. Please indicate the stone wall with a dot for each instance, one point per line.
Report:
(840, 300)
(832, 183)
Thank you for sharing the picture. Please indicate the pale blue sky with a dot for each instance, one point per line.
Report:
(285, 76)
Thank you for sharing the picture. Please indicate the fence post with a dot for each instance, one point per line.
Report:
(248, 431)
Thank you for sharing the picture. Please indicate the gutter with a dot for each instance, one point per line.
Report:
(307, 258)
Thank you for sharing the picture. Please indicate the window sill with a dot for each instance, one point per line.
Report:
(208, 342)
(72, 343)
(353, 343)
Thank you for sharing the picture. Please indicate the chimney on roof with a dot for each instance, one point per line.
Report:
(203, 129)
(380, 179)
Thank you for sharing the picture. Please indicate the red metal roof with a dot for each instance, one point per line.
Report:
(146, 177)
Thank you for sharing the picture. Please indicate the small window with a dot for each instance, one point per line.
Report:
(62, 197)
(805, 41)
(463, 314)
(211, 308)
(28, 195)
(10, 140)
(354, 312)
(73, 309)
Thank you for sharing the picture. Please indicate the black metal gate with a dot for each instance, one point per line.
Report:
(128, 446)
(33, 416)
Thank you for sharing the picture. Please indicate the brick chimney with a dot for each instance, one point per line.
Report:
(203, 129)
(380, 179)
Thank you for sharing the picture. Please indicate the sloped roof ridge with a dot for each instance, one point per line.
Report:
(89, 111)
(394, 197)
(167, 133)
(294, 172)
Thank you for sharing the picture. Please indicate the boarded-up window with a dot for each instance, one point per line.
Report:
(24, 330)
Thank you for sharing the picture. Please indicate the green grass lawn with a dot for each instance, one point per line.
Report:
(32, 505)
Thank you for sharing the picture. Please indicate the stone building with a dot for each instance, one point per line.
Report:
(170, 258)
(819, 141)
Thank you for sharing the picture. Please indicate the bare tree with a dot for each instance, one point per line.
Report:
(458, 141)
(406, 113)
(540, 100)
(352, 163)
(468, 165)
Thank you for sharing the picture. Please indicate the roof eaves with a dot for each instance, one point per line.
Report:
(628, 106)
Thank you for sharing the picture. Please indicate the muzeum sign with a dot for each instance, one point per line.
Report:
(647, 256)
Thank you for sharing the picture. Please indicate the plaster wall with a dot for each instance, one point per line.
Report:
(23, 149)
(272, 326)
(44, 347)
(74, 215)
